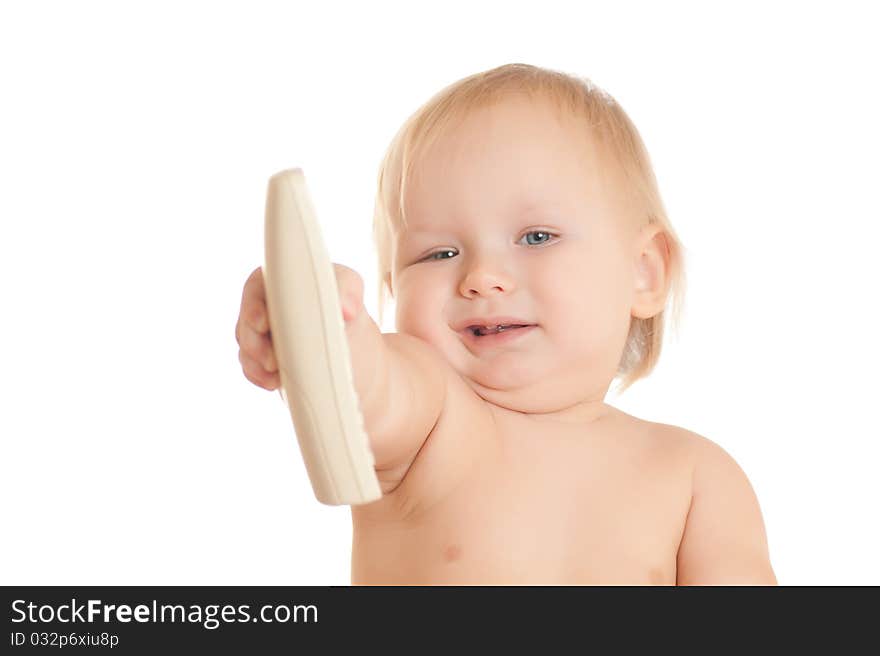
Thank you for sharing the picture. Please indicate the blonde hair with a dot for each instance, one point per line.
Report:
(610, 126)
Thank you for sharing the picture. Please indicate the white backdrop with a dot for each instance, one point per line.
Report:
(136, 141)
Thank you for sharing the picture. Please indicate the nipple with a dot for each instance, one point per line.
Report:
(452, 553)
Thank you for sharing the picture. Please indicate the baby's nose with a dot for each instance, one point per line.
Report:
(485, 283)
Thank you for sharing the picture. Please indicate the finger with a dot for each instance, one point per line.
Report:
(348, 281)
(254, 284)
(256, 317)
(350, 308)
(253, 302)
(259, 348)
(255, 373)
(240, 327)
(270, 363)
(351, 291)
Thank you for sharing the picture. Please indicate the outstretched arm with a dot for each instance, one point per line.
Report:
(403, 396)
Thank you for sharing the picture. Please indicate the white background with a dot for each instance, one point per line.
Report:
(136, 140)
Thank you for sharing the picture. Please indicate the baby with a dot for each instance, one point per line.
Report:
(521, 233)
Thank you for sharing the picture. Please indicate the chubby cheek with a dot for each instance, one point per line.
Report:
(605, 309)
(420, 314)
(584, 311)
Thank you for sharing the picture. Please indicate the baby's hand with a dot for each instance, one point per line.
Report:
(255, 350)
(256, 354)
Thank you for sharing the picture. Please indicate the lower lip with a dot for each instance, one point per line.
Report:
(498, 339)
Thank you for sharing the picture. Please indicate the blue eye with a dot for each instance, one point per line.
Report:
(538, 232)
(431, 256)
(545, 233)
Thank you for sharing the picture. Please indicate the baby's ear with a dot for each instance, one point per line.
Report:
(652, 272)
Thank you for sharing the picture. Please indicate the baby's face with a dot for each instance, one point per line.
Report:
(515, 214)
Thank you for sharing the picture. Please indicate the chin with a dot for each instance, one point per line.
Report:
(493, 376)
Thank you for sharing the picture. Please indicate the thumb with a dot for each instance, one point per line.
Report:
(352, 305)
(351, 293)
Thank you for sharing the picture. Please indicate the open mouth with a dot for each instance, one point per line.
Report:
(481, 331)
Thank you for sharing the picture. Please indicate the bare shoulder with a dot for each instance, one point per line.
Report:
(665, 442)
(706, 456)
(724, 541)
(708, 461)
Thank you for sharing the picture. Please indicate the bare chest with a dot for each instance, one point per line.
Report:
(559, 508)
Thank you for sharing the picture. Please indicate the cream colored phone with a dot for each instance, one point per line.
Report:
(308, 335)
